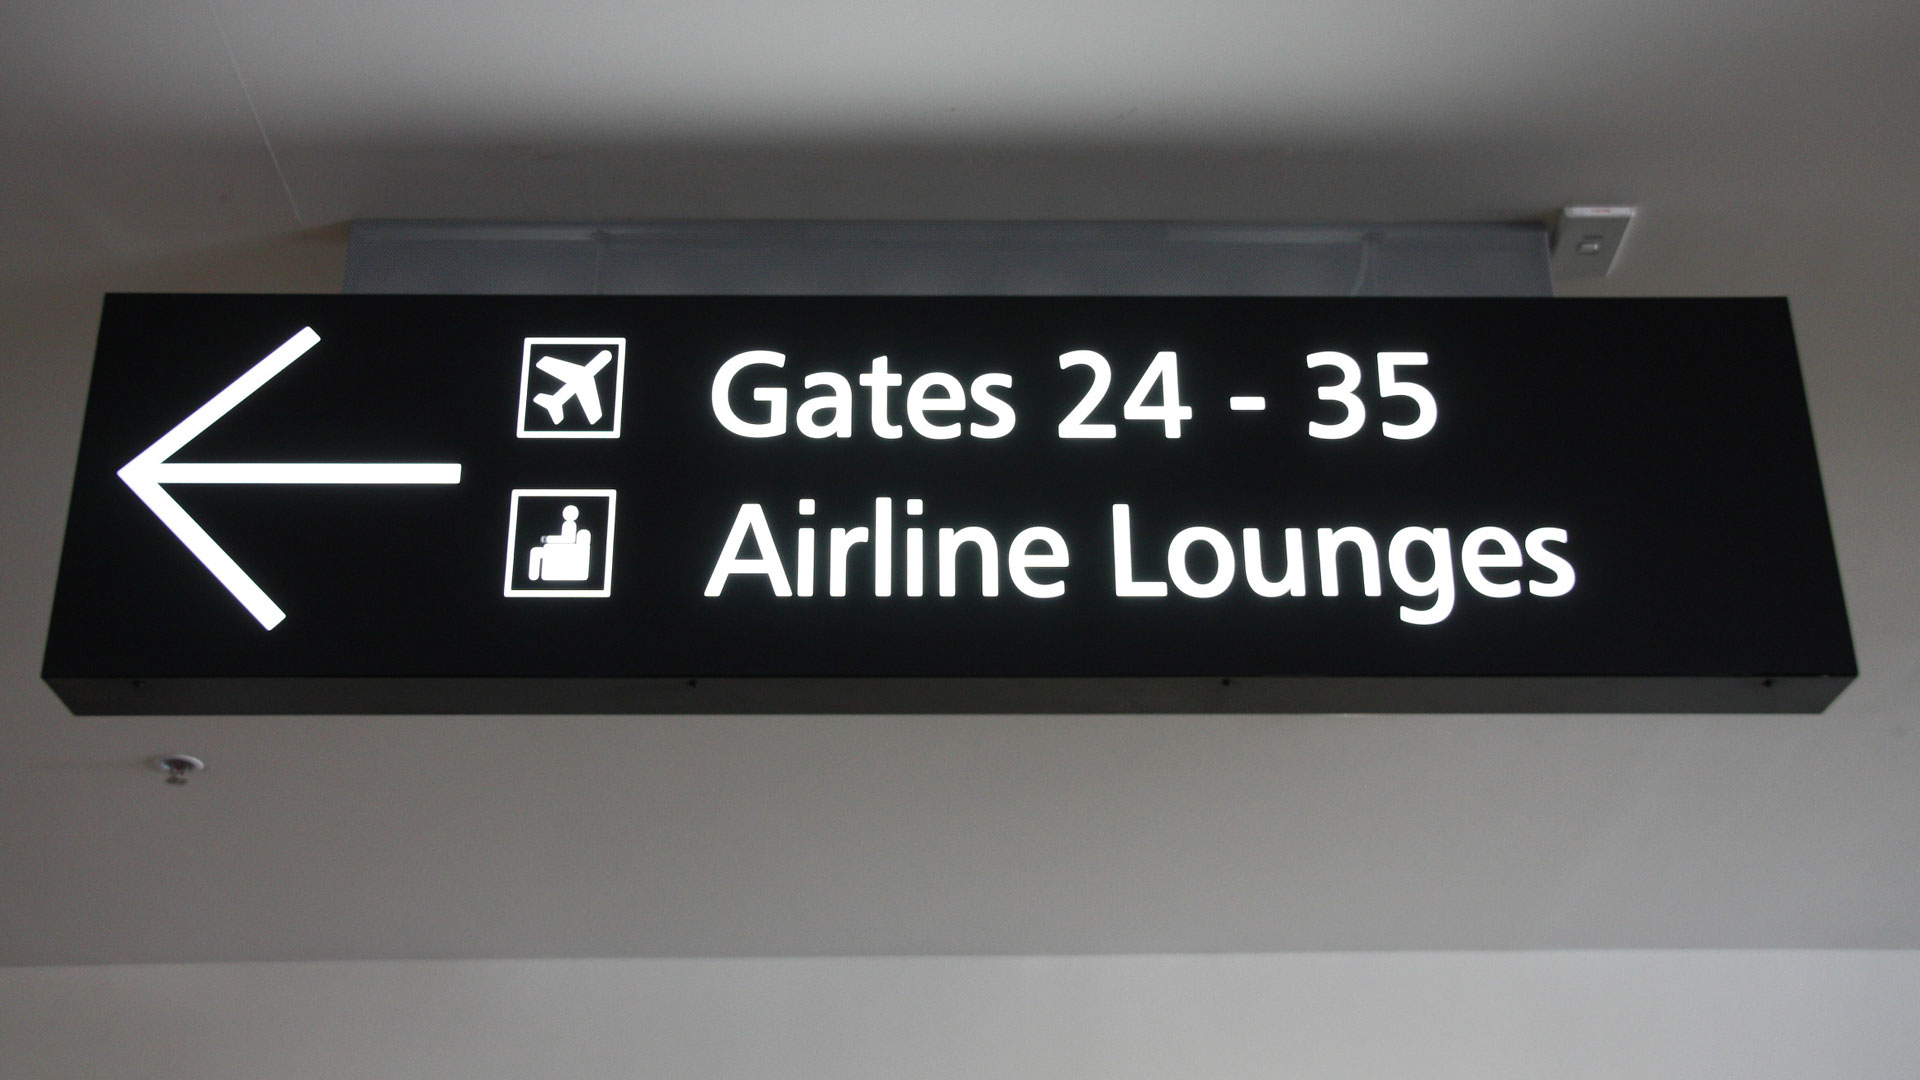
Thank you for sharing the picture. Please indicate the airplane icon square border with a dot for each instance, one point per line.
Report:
(606, 549)
(526, 377)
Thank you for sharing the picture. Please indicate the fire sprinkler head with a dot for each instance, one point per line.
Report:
(178, 767)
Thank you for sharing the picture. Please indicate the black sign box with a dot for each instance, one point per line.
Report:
(373, 504)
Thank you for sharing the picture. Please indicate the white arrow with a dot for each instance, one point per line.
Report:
(145, 474)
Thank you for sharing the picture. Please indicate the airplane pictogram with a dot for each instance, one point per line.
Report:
(577, 382)
(576, 385)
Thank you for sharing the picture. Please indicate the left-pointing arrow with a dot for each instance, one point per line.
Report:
(146, 473)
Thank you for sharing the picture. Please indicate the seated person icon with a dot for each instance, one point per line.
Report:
(567, 556)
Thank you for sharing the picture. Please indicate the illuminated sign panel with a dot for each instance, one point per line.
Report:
(555, 504)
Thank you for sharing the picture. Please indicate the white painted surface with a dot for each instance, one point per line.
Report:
(1511, 1016)
(134, 162)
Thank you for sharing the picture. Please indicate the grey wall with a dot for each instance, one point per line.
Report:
(1505, 1016)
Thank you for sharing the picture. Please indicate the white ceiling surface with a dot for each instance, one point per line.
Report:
(1773, 148)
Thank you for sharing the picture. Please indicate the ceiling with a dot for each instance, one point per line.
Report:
(219, 144)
